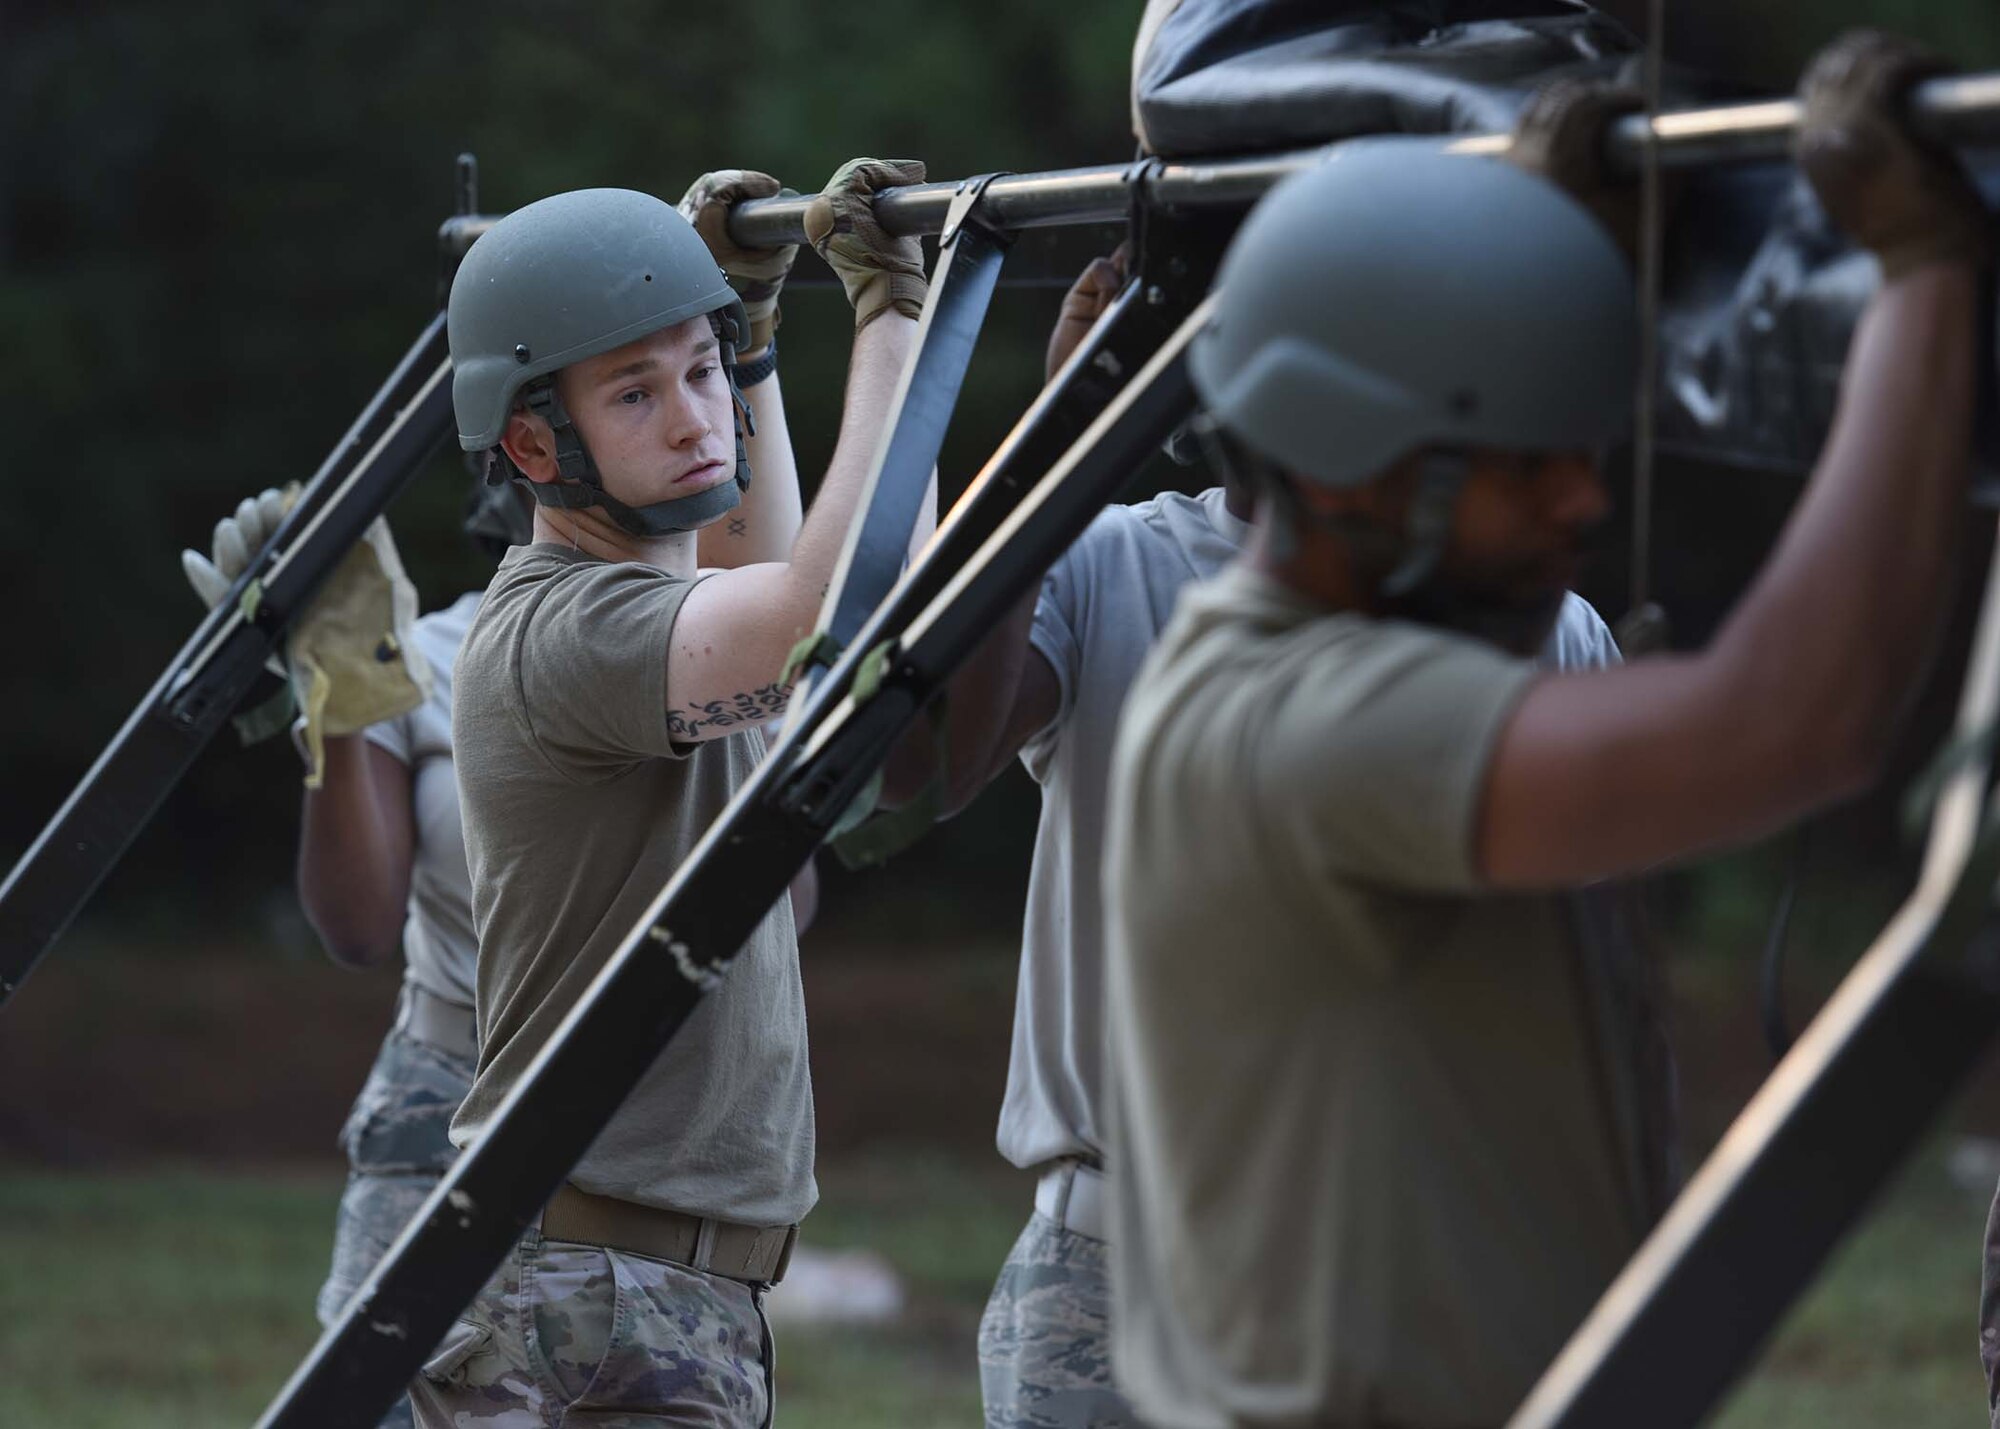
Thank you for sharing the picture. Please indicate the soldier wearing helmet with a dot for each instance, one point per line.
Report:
(382, 865)
(1047, 688)
(608, 704)
(1387, 1108)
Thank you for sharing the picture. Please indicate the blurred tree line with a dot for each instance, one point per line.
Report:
(216, 232)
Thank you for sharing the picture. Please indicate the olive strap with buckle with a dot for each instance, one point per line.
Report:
(755, 1254)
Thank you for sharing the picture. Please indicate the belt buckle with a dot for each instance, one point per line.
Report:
(785, 1254)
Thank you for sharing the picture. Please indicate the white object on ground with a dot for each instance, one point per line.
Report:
(1974, 1164)
(836, 1287)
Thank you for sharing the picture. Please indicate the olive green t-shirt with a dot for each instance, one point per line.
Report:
(578, 808)
(1372, 1152)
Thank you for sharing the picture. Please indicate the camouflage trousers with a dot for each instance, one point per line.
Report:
(567, 1335)
(397, 1151)
(1045, 1340)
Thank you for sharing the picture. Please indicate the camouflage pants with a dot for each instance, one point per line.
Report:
(1045, 1340)
(567, 1335)
(397, 1151)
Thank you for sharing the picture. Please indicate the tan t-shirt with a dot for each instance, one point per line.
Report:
(1371, 1166)
(577, 810)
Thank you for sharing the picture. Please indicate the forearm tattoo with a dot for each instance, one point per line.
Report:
(743, 707)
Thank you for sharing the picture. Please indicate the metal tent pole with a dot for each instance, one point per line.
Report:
(1961, 110)
(374, 461)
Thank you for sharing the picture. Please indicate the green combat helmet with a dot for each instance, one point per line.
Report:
(1399, 296)
(565, 279)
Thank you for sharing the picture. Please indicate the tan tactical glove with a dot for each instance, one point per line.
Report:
(1560, 135)
(757, 274)
(879, 272)
(1905, 199)
(352, 661)
(1084, 304)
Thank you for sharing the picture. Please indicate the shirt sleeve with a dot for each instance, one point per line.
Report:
(1056, 635)
(1376, 765)
(392, 735)
(592, 666)
(1581, 639)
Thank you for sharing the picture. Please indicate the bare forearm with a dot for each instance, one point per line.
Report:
(879, 353)
(766, 525)
(1832, 637)
(354, 857)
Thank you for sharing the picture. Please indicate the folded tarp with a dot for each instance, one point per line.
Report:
(1234, 76)
(1760, 294)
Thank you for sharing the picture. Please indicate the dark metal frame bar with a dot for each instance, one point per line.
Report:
(202, 685)
(1962, 109)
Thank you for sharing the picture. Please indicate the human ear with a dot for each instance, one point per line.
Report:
(530, 445)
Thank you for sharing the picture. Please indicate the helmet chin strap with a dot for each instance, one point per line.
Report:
(1413, 588)
(1427, 526)
(579, 485)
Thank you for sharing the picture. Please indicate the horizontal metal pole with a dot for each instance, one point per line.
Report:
(1958, 110)
(1962, 109)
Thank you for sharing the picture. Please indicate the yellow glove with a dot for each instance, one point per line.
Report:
(351, 660)
(879, 272)
(757, 274)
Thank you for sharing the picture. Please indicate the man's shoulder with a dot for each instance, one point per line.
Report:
(1247, 633)
(1171, 533)
(537, 580)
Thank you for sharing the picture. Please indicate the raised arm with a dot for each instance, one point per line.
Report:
(1005, 693)
(1794, 701)
(357, 834)
(738, 627)
(766, 524)
(357, 844)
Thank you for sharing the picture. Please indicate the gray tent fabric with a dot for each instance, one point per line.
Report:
(1232, 76)
(1761, 295)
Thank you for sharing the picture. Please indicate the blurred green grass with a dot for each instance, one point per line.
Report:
(175, 1299)
(181, 1299)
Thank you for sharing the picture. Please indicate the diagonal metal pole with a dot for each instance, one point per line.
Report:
(375, 460)
(684, 945)
(1804, 1158)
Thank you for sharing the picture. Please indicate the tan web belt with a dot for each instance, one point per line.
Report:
(756, 1254)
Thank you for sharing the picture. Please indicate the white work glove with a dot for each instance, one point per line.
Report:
(350, 658)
